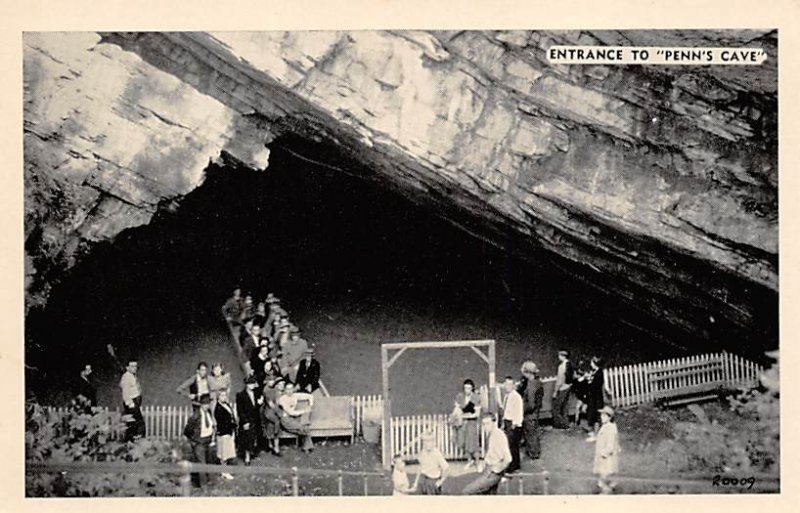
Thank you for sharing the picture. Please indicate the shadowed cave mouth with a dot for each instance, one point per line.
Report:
(355, 262)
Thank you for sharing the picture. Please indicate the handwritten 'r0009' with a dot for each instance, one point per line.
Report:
(743, 482)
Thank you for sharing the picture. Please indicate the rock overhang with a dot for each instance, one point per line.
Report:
(659, 186)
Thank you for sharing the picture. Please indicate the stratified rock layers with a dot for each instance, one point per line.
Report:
(658, 185)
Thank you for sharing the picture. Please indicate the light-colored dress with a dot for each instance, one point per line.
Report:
(607, 450)
(218, 383)
(467, 431)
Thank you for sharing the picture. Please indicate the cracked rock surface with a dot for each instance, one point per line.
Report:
(655, 184)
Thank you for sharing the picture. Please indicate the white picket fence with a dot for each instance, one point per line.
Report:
(628, 386)
(167, 422)
(647, 382)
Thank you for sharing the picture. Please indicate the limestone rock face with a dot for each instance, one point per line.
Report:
(108, 138)
(656, 184)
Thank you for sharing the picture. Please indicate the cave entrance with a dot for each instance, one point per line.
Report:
(356, 264)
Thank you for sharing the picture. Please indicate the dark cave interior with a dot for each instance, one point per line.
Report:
(319, 237)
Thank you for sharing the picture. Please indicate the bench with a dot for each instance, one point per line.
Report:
(688, 382)
(331, 416)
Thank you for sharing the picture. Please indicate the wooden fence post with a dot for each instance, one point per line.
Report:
(295, 487)
(340, 483)
(186, 478)
(366, 484)
(521, 485)
(545, 483)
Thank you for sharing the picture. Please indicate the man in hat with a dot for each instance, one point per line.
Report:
(495, 461)
(606, 451)
(232, 309)
(248, 403)
(308, 373)
(293, 351)
(564, 378)
(201, 430)
(532, 394)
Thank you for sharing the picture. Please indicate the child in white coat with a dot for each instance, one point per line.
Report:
(607, 450)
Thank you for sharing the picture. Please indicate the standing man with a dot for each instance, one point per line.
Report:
(512, 421)
(532, 395)
(132, 402)
(564, 380)
(232, 309)
(196, 386)
(433, 468)
(494, 464)
(248, 404)
(86, 389)
(308, 373)
(200, 430)
(293, 351)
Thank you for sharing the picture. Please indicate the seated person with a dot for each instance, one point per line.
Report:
(296, 419)
(308, 373)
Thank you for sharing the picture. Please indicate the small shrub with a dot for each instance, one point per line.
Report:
(87, 436)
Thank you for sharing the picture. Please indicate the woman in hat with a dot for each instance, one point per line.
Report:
(468, 406)
(433, 468)
(606, 451)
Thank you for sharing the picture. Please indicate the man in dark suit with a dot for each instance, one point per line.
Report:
(308, 373)
(86, 391)
(251, 340)
(201, 430)
(532, 392)
(248, 404)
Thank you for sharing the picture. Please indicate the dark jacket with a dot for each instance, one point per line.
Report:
(226, 422)
(193, 427)
(308, 374)
(532, 397)
(248, 411)
(87, 389)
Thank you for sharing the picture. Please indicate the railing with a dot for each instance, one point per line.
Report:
(521, 483)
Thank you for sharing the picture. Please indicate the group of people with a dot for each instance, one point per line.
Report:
(516, 421)
(274, 400)
(253, 422)
(271, 344)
